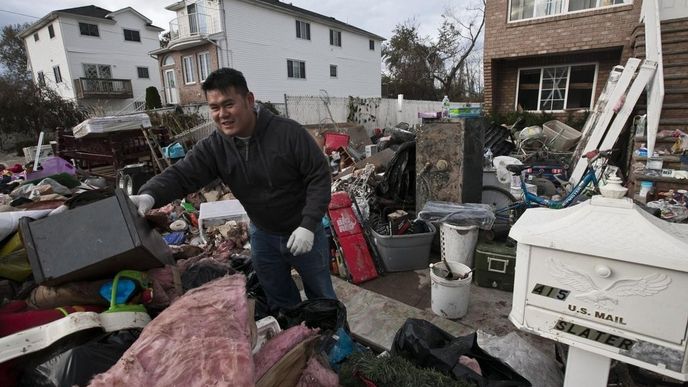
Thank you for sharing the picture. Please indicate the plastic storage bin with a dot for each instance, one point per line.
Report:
(405, 252)
(560, 136)
(219, 212)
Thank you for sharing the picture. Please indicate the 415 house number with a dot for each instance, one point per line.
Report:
(596, 314)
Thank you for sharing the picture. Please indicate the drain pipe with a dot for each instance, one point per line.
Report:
(223, 23)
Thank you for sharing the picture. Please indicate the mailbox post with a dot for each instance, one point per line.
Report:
(609, 280)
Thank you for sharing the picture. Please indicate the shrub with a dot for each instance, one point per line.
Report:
(152, 98)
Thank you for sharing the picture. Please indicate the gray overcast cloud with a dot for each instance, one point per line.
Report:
(379, 17)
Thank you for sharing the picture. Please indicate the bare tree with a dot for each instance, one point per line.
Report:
(448, 59)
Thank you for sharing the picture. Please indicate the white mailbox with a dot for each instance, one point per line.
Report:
(609, 280)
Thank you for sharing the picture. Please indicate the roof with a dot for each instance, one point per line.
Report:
(148, 21)
(322, 18)
(87, 11)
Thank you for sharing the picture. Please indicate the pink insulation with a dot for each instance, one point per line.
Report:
(471, 363)
(278, 346)
(317, 375)
(202, 339)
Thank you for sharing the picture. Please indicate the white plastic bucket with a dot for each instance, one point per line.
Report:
(449, 297)
(458, 243)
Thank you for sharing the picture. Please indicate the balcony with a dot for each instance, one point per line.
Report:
(97, 88)
(193, 25)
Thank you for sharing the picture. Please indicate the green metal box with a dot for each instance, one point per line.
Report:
(494, 265)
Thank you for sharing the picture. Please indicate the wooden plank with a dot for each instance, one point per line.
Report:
(645, 74)
(599, 127)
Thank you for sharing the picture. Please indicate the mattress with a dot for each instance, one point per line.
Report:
(109, 124)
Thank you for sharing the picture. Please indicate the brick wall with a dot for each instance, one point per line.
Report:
(595, 32)
(190, 93)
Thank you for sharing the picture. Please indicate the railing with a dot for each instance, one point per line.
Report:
(194, 24)
(103, 88)
(137, 105)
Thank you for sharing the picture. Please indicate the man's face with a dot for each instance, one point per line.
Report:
(232, 112)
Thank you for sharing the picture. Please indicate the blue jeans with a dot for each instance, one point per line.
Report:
(272, 262)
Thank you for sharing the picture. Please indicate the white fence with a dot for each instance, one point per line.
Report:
(369, 112)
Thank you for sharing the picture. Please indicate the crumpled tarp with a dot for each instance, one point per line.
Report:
(541, 370)
(202, 339)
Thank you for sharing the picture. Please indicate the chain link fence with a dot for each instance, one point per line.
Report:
(369, 112)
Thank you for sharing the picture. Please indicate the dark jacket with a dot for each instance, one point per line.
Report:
(284, 184)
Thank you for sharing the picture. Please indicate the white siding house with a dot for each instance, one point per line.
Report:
(281, 49)
(102, 56)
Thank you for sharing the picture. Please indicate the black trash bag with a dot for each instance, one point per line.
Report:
(243, 264)
(202, 273)
(428, 346)
(79, 364)
(324, 313)
(399, 182)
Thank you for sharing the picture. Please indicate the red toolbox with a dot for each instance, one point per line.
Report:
(349, 233)
(342, 215)
(334, 141)
(357, 258)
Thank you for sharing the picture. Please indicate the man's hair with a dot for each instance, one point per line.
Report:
(224, 78)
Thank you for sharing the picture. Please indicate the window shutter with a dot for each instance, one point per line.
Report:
(290, 70)
(303, 69)
(308, 31)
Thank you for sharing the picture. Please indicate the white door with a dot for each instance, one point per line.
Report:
(171, 87)
(673, 9)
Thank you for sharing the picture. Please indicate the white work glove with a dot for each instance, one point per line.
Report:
(300, 241)
(143, 202)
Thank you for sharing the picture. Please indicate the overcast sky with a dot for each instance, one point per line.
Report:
(376, 16)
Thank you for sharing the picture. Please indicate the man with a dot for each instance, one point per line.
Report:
(278, 173)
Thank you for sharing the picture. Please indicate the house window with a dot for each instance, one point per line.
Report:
(371, 44)
(188, 70)
(168, 61)
(203, 65)
(142, 72)
(556, 88)
(88, 29)
(335, 38)
(51, 31)
(41, 78)
(193, 18)
(97, 71)
(296, 69)
(132, 35)
(57, 73)
(303, 30)
(333, 71)
(528, 9)
(577, 5)
(35, 37)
